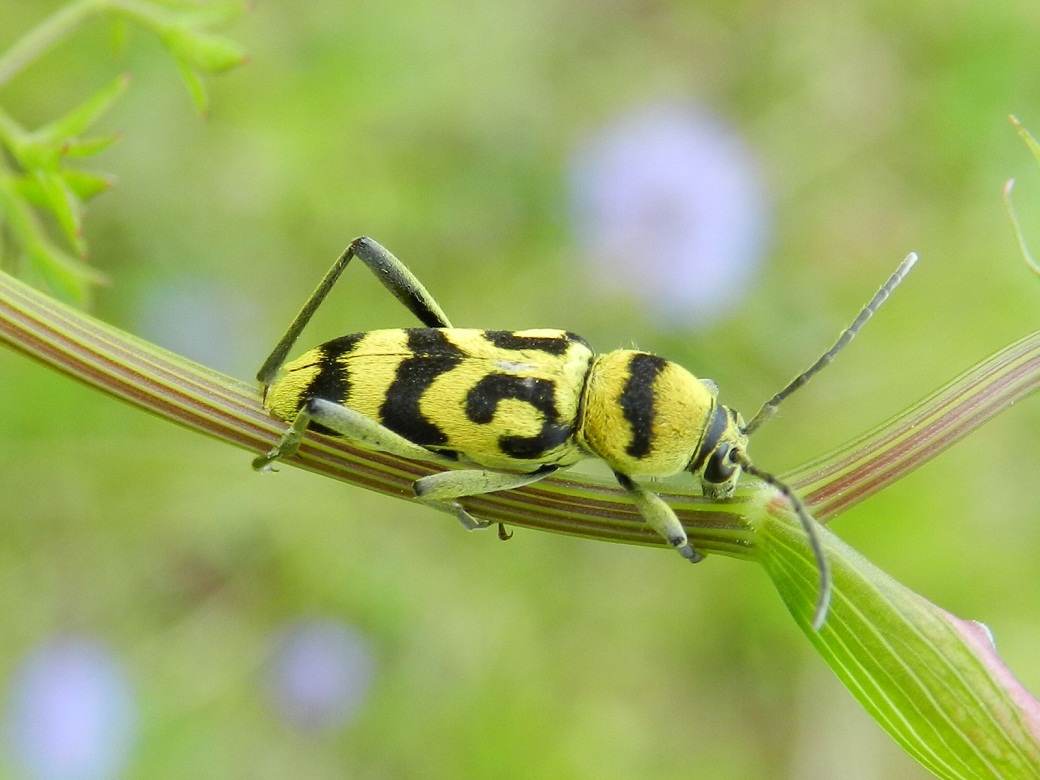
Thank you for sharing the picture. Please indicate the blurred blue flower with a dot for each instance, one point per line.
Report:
(200, 320)
(668, 204)
(321, 670)
(70, 712)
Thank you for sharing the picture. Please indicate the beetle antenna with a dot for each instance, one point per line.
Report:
(825, 588)
(769, 407)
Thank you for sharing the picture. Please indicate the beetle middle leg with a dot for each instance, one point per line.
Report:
(446, 486)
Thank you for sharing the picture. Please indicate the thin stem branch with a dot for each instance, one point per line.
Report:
(859, 469)
(64, 22)
(46, 34)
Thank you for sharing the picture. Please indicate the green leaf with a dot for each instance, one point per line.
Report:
(196, 87)
(39, 259)
(44, 148)
(41, 179)
(84, 147)
(202, 52)
(932, 681)
(81, 118)
(20, 219)
(86, 184)
(197, 53)
(63, 203)
(83, 184)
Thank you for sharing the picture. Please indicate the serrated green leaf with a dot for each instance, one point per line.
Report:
(27, 149)
(35, 155)
(44, 148)
(45, 190)
(928, 678)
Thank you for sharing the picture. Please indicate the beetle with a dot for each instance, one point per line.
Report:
(513, 407)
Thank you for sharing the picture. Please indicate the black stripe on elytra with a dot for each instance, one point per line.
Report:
(554, 345)
(432, 355)
(331, 382)
(482, 403)
(716, 427)
(637, 401)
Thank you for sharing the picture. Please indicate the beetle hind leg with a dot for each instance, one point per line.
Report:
(287, 445)
(391, 273)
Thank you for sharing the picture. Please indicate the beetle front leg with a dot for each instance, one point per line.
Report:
(659, 516)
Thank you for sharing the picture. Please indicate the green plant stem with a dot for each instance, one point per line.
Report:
(179, 390)
(197, 397)
(853, 472)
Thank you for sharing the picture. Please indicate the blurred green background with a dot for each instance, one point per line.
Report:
(449, 132)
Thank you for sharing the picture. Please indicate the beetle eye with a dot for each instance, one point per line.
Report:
(721, 465)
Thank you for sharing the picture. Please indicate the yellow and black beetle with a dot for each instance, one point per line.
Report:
(519, 405)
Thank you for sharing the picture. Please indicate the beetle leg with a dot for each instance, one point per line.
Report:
(439, 490)
(659, 516)
(350, 424)
(391, 272)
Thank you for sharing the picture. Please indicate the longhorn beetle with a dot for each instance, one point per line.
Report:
(517, 406)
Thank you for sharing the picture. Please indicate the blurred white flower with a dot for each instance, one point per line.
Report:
(70, 712)
(321, 670)
(668, 204)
